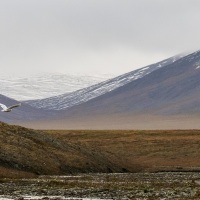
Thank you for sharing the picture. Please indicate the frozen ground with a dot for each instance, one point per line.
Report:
(166, 185)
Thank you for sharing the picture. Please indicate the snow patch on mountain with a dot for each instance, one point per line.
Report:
(65, 101)
(46, 85)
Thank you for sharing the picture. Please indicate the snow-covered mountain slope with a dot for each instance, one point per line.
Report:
(62, 102)
(170, 90)
(46, 85)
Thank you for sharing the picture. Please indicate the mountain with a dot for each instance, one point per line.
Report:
(160, 96)
(172, 89)
(46, 85)
(168, 97)
(22, 113)
(64, 101)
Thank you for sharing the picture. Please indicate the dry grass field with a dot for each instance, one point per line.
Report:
(26, 152)
(173, 150)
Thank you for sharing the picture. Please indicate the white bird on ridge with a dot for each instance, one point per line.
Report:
(9, 109)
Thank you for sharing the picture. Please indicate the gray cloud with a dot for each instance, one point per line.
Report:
(113, 36)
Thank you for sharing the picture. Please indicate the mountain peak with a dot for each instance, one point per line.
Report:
(68, 100)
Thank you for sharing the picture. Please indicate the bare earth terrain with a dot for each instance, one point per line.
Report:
(104, 186)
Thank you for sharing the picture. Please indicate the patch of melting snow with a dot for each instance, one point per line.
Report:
(197, 67)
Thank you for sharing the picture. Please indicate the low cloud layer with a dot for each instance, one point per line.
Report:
(86, 36)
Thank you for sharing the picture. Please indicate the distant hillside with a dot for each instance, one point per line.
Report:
(164, 95)
(67, 100)
(172, 89)
(166, 98)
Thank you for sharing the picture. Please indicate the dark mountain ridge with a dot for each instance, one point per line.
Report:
(172, 89)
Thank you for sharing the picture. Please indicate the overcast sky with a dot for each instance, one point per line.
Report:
(87, 36)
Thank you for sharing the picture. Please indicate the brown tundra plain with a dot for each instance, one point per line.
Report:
(118, 164)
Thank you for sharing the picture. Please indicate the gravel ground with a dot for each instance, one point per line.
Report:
(166, 185)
